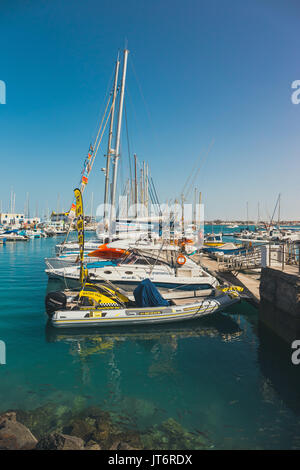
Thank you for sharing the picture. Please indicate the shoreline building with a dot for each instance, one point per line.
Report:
(7, 218)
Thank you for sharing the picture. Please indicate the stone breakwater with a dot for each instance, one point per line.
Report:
(50, 428)
(280, 303)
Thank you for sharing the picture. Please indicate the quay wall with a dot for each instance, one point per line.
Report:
(280, 302)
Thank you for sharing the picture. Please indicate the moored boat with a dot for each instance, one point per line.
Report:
(97, 306)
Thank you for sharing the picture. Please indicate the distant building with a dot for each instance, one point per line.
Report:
(59, 217)
(32, 220)
(7, 218)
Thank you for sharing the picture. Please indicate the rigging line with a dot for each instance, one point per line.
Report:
(94, 155)
(109, 87)
(91, 165)
(277, 201)
(100, 139)
(191, 173)
(152, 195)
(154, 189)
(155, 193)
(201, 166)
(133, 107)
(143, 98)
(108, 101)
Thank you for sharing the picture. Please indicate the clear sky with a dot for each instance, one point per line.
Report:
(202, 76)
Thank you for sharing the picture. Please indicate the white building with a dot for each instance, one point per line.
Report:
(7, 218)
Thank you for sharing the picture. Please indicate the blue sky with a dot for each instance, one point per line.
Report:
(201, 75)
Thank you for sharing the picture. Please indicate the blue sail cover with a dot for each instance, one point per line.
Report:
(147, 295)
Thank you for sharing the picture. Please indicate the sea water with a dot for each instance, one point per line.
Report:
(224, 376)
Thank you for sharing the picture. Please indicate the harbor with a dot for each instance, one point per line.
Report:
(149, 229)
(133, 368)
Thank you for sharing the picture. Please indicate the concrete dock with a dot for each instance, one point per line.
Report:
(249, 281)
(275, 290)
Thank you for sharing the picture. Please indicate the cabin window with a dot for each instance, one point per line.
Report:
(107, 272)
(128, 272)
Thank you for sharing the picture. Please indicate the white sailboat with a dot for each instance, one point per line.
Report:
(140, 265)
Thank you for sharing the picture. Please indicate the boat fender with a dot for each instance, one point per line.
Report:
(55, 301)
(181, 259)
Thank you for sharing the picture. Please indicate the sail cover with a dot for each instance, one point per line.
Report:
(147, 295)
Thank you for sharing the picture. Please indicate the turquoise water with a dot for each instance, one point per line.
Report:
(224, 375)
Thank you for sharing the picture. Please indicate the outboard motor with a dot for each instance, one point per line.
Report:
(55, 301)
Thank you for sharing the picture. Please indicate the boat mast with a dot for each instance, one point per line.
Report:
(118, 134)
(194, 210)
(109, 149)
(147, 191)
(135, 187)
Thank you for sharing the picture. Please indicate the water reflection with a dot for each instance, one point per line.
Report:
(274, 359)
(89, 341)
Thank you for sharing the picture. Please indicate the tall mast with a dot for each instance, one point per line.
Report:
(109, 149)
(113, 198)
(199, 211)
(194, 211)
(135, 186)
(147, 190)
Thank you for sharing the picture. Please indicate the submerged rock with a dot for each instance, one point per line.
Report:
(92, 445)
(14, 435)
(81, 428)
(58, 441)
(45, 419)
(171, 435)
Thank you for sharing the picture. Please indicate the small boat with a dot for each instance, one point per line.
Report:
(99, 305)
(14, 236)
(227, 248)
(213, 240)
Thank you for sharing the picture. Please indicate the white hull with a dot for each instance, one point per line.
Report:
(140, 316)
(129, 276)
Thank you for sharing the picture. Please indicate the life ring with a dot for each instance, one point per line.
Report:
(181, 260)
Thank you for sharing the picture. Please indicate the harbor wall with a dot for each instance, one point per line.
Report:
(280, 302)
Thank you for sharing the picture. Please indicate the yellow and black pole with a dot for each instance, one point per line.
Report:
(80, 230)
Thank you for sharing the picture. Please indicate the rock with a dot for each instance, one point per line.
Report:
(58, 441)
(43, 420)
(81, 428)
(120, 445)
(78, 403)
(115, 445)
(14, 435)
(171, 435)
(126, 446)
(92, 445)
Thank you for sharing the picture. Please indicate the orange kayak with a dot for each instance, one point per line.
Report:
(105, 252)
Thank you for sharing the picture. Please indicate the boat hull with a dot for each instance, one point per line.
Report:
(141, 316)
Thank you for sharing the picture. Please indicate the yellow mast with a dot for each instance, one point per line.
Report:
(80, 229)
